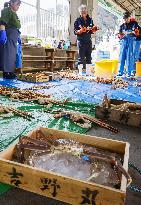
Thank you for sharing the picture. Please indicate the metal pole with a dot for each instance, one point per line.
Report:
(38, 19)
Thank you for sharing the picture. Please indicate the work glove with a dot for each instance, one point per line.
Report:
(121, 35)
(95, 29)
(81, 30)
(137, 32)
(92, 29)
(19, 41)
(3, 37)
(19, 54)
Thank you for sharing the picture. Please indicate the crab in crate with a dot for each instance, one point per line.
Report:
(68, 157)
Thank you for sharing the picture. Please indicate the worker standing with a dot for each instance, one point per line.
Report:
(127, 35)
(9, 35)
(83, 28)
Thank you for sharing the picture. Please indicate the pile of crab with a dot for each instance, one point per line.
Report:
(15, 94)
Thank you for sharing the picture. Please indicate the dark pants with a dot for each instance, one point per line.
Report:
(84, 52)
(8, 51)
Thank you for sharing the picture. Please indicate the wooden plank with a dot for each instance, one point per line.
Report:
(50, 49)
(72, 51)
(48, 60)
(67, 189)
(30, 56)
(71, 60)
(34, 69)
(125, 166)
(67, 58)
(37, 60)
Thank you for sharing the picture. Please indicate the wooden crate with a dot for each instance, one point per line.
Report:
(60, 187)
(126, 117)
(35, 77)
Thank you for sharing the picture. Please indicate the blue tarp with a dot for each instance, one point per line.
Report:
(79, 90)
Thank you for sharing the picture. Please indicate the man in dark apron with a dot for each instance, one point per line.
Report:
(83, 28)
(8, 50)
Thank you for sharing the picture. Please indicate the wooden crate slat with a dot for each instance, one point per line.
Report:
(30, 56)
(67, 189)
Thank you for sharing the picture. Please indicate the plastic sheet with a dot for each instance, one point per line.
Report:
(78, 90)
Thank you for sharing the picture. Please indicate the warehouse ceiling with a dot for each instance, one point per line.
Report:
(129, 5)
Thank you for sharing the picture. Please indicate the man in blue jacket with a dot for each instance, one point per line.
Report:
(83, 28)
(127, 35)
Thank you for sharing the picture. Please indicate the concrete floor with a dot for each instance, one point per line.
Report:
(129, 134)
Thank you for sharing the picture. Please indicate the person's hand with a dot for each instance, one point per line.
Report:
(95, 29)
(121, 35)
(81, 30)
(19, 41)
(2, 27)
(78, 32)
(137, 32)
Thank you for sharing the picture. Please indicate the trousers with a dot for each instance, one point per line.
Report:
(127, 55)
(84, 52)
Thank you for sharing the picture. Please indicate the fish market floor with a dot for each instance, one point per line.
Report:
(129, 134)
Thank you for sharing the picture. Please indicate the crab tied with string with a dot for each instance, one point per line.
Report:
(8, 111)
(71, 158)
(81, 119)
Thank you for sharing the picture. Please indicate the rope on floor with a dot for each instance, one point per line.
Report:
(133, 187)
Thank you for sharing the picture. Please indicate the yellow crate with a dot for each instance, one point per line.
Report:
(138, 68)
(106, 68)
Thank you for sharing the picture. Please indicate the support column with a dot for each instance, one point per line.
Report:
(92, 9)
(73, 15)
(38, 20)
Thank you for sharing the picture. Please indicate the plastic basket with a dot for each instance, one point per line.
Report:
(138, 68)
(106, 68)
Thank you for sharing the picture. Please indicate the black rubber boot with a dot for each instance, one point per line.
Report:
(7, 75)
(12, 75)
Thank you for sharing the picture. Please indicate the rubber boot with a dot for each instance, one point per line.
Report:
(80, 68)
(88, 69)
